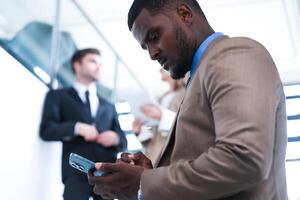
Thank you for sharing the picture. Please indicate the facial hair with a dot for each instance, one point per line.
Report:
(184, 58)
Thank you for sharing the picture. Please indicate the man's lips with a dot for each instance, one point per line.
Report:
(166, 67)
(162, 61)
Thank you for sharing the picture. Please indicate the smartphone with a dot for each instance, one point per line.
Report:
(84, 165)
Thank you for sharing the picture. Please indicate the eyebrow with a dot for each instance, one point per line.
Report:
(145, 39)
(91, 59)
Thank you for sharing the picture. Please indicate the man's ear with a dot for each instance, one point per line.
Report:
(76, 66)
(185, 13)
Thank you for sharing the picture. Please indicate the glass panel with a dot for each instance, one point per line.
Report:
(27, 11)
(293, 151)
(292, 90)
(79, 27)
(293, 106)
(293, 128)
(28, 36)
(293, 110)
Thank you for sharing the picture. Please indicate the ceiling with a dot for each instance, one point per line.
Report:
(274, 23)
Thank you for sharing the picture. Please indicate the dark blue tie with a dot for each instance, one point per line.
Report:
(87, 104)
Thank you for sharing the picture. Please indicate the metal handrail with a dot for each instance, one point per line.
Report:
(294, 139)
(55, 44)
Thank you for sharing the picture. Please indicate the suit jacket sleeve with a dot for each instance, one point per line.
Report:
(52, 128)
(244, 91)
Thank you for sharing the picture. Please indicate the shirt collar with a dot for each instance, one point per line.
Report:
(201, 49)
(81, 89)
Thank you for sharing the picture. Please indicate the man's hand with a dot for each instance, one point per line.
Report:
(137, 159)
(137, 125)
(108, 139)
(151, 110)
(124, 180)
(87, 131)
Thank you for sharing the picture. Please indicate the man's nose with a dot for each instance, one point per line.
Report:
(153, 52)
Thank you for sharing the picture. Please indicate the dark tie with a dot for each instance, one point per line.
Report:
(87, 104)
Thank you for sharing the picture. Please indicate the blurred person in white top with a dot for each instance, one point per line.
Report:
(153, 138)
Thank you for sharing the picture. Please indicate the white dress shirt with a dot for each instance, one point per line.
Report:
(167, 116)
(94, 100)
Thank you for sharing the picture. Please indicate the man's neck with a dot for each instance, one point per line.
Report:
(82, 87)
(202, 33)
(84, 82)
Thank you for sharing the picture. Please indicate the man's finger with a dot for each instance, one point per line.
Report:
(140, 159)
(100, 190)
(125, 157)
(104, 192)
(100, 180)
(139, 156)
(109, 167)
(93, 180)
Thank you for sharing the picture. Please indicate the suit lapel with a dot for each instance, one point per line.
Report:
(169, 145)
(72, 92)
(168, 148)
(100, 111)
(74, 95)
(171, 139)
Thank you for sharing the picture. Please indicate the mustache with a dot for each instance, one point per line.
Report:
(162, 60)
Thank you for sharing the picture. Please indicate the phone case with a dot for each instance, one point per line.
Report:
(84, 165)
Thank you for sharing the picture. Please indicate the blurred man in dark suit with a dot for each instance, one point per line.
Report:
(85, 123)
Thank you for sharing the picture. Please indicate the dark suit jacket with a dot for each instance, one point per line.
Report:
(229, 138)
(62, 109)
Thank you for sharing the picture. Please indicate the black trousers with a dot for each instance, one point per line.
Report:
(77, 188)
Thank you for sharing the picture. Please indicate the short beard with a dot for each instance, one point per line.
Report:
(184, 61)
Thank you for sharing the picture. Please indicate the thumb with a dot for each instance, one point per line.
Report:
(98, 166)
(137, 157)
(107, 167)
(125, 157)
(140, 159)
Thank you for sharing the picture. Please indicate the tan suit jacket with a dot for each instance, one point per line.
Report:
(229, 139)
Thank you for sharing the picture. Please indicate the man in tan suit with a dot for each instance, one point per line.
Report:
(229, 137)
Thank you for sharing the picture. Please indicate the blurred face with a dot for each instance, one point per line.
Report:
(88, 69)
(165, 40)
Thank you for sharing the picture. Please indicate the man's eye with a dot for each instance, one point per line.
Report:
(92, 61)
(153, 37)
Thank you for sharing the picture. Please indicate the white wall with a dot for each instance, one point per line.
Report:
(30, 168)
